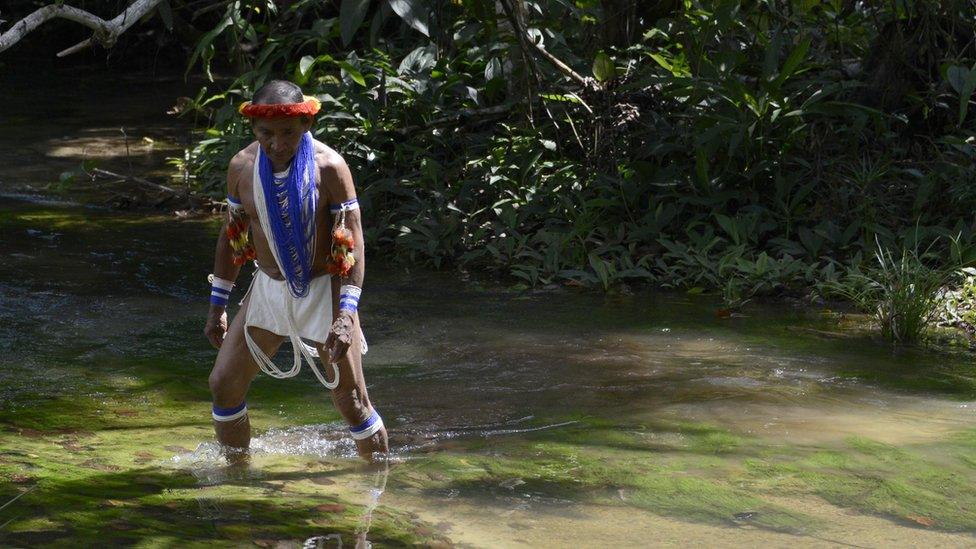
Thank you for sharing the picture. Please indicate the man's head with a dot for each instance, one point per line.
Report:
(279, 136)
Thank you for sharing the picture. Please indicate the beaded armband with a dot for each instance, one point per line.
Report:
(237, 232)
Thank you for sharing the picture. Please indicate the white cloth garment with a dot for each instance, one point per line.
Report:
(272, 307)
(310, 316)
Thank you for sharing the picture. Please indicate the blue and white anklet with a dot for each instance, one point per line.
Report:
(368, 428)
(229, 414)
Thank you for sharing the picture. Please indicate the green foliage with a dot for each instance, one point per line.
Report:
(902, 292)
(725, 145)
(960, 303)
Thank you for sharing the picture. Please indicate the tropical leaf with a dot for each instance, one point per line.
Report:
(796, 57)
(603, 69)
(493, 69)
(413, 13)
(353, 73)
(351, 16)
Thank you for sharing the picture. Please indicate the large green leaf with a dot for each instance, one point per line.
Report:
(166, 13)
(603, 68)
(493, 69)
(962, 80)
(304, 64)
(413, 13)
(206, 42)
(353, 73)
(792, 63)
(351, 15)
(418, 60)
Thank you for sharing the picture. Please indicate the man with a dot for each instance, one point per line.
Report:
(276, 188)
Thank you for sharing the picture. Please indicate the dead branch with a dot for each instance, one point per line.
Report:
(106, 32)
(524, 39)
(139, 180)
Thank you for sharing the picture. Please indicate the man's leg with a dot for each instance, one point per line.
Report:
(350, 396)
(231, 377)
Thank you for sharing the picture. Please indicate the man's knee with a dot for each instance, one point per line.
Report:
(228, 387)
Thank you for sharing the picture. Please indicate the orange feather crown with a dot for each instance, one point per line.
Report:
(308, 107)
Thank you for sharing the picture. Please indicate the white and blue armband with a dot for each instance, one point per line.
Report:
(219, 290)
(368, 428)
(349, 297)
(346, 206)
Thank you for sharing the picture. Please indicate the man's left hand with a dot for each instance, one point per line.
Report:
(340, 337)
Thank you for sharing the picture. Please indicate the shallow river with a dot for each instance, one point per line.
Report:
(517, 419)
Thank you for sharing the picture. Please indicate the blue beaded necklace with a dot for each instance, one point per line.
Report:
(292, 202)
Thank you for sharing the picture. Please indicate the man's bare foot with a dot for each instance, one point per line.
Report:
(378, 443)
(237, 458)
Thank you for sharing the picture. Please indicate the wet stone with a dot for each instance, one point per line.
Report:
(331, 508)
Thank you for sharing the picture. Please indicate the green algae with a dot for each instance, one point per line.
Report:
(141, 504)
(922, 485)
(688, 478)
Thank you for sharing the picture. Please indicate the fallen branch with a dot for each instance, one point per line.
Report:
(134, 179)
(106, 32)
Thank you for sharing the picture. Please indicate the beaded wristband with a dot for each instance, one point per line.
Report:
(349, 297)
(219, 290)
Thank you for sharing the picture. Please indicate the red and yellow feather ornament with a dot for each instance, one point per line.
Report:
(341, 258)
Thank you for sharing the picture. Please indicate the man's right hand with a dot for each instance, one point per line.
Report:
(216, 327)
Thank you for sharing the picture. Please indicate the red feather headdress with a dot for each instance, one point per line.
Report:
(308, 107)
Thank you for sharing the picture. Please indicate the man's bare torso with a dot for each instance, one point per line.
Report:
(243, 177)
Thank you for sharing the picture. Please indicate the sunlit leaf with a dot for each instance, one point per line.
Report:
(603, 69)
(420, 59)
(493, 69)
(304, 64)
(660, 60)
(413, 13)
(353, 73)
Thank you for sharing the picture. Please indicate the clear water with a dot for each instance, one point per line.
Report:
(516, 418)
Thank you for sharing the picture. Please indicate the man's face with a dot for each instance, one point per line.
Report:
(280, 137)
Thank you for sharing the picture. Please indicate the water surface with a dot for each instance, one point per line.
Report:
(517, 418)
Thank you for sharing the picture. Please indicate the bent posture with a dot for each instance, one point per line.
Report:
(292, 208)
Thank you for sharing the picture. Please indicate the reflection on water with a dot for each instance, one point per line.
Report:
(538, 419)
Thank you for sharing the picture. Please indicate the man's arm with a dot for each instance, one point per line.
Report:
(339, 188)
(224, 266)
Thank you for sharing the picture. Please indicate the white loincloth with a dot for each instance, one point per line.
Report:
(272, 307)
(311, 315)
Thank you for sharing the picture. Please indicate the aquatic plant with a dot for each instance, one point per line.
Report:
(902, 291)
